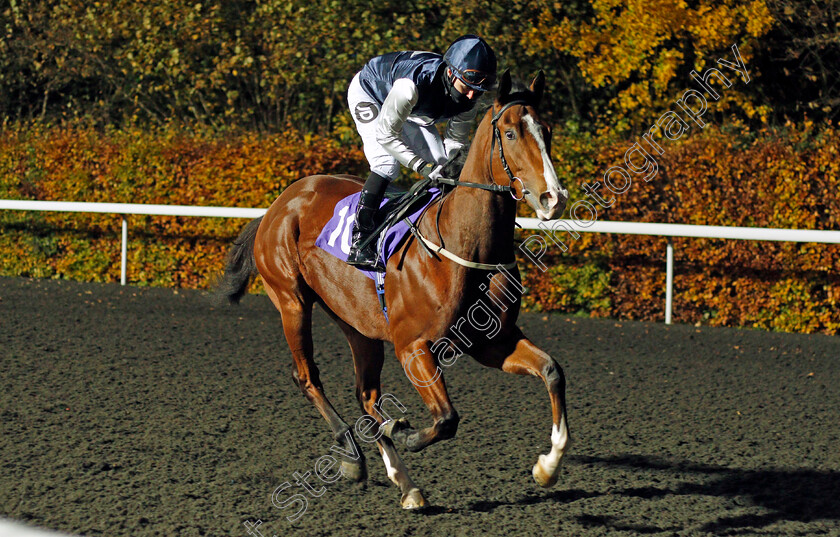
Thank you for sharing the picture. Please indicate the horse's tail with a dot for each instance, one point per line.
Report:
(241, 264)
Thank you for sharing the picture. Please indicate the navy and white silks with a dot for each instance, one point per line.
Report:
(396, 101)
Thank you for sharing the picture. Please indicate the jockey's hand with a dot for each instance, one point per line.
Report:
(430, 170)
(456, 157)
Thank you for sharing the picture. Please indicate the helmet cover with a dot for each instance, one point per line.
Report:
(472, 61)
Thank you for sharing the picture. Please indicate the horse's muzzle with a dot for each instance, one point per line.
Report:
(552, 203)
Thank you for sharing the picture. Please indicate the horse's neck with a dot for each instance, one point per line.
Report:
(479, 223)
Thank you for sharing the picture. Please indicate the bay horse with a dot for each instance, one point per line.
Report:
(428, 296)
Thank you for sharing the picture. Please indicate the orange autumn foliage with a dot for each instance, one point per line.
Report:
(167, 166)
(776, 178)
(784, 178)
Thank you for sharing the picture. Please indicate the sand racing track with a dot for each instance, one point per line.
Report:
(139, 411)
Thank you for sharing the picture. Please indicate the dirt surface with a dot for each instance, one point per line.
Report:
(140, 411)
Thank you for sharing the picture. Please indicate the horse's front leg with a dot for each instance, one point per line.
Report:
(421, 368)
(516, 354)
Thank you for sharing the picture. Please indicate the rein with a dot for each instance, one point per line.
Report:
(428, 246)
(497, 136)
(493, 187)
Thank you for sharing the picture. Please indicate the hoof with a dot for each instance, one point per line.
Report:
(541, 476)
(413, 499)
(353, 471)
(393, 428)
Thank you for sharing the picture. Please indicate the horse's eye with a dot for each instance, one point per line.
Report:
(510, 135)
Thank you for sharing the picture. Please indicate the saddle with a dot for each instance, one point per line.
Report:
(398, 212)
(398, 204)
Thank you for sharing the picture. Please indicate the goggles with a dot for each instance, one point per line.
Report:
(477, 80)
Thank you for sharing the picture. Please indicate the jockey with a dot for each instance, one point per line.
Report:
(396, 100)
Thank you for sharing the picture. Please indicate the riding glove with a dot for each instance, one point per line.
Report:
(430, 170)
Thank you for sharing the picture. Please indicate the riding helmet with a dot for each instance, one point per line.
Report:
(472, 61)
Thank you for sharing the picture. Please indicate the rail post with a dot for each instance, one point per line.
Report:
(124, 250)
(669, 281)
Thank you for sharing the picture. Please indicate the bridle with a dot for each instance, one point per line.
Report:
(431, 248)
(497, 137)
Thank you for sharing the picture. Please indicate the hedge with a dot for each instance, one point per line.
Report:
(786, 178)
(162, 166)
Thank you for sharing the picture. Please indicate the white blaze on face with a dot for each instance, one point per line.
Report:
(551, 180)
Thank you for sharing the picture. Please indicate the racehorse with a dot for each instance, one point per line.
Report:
(428, 295)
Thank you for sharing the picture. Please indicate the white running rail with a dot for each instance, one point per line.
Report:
(628, 228)
(10, 528)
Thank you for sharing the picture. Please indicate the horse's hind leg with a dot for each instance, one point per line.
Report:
(368, 357)
(296, 311)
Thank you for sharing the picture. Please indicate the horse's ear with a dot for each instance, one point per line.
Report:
(538, 86)
(504, 86)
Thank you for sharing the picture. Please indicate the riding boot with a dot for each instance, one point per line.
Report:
(372, 193)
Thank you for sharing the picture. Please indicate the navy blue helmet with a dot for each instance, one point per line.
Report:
(472, 61)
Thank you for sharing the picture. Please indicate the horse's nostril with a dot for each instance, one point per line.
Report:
(548, 199)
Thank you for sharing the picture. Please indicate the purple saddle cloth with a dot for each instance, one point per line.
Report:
(337, 234)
